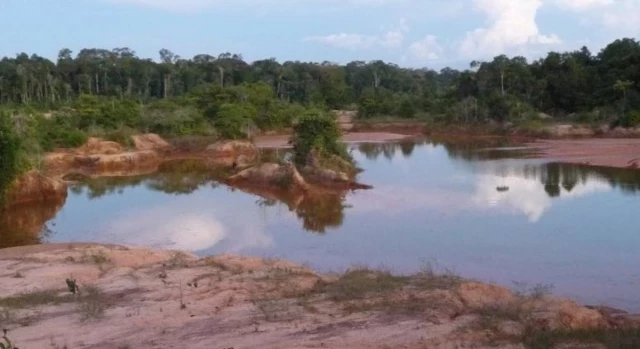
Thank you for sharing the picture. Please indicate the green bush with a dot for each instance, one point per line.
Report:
(407, 109)
(170, 118)
(632, 119)
(316, 130)
(59, 132)
(233, 119)
(122, 136)
(9, 154)
(107, 113)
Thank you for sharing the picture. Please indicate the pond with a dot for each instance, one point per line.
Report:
(487, 212)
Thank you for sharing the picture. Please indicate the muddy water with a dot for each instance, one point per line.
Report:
(485, 211)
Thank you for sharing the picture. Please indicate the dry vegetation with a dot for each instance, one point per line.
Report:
(141, 298)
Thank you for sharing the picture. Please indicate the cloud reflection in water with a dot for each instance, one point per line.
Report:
(167, 227)
(528, 195)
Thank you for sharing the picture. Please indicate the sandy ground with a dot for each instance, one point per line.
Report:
(621, 153)
(282, 141)
(141, 298)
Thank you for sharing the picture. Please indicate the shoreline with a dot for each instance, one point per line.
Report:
(141, 297)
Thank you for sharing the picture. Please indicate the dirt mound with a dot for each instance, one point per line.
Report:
(478, 295)
(99, 146)
(32, 187)
(570, 131)
(127, 162)
(150, 141)
(100, 157)
(233, 148)
(323, 175)
(270, 174)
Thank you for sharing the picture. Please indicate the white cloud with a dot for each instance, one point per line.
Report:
(197, 5)
(624, 18)
(391, 39)
(426, 49)
(345, 40)
(512, 27)
(583, 4)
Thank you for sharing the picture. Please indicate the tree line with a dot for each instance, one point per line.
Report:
(581, 84)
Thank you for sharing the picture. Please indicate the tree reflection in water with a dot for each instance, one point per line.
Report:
(475, 150)
(176, 177)
(318, 210)
(27, 225)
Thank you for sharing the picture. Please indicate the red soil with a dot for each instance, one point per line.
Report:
(621, 153)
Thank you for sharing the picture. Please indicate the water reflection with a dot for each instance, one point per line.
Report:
(373, 151)
(176, 177)
(532, 189)
(21, 226)
(318, 210)
(524, 186)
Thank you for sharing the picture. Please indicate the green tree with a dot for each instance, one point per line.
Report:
(406, 109)
(9, 154)
(234, 119)
(623, 86)
(319, 132)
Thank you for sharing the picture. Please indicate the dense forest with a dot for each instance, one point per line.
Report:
(559, 84)
(113, 93)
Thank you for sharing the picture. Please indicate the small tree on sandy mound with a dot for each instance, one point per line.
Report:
(318, 132)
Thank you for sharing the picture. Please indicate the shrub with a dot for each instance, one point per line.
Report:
(233, 119)
(632, 119)
(317, 131)
(407, 109)
(59, 131)
(9, 154)
(121, 135)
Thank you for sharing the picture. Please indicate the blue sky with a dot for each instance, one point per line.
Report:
(415, 33)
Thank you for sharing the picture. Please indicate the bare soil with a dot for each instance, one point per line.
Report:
(620, 153)
(141, 298)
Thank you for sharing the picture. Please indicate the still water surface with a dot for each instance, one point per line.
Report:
(483, 213)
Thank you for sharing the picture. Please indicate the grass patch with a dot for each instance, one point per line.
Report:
(609, 338)
(7, 316)
(537, 291)
(233, 269)
(519, 310)
(274, 310)
(35, 298)
(364, 289)
(429, 278)
(98, 258)
(178, 260)
(92, 304)
(10, 316)
(491, 317)
(360, 283)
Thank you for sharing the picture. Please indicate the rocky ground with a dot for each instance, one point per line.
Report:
(140, 298)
